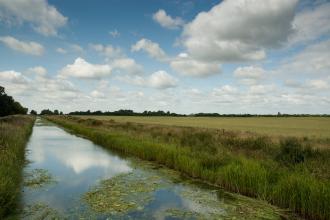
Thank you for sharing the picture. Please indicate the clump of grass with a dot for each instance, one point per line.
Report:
(14, 132)
(245, 163)
(293, 152)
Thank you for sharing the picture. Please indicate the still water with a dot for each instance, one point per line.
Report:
(132, 189)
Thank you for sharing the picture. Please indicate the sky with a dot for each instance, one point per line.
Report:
(183, 56)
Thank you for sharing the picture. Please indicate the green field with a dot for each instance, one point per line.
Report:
(318, 127)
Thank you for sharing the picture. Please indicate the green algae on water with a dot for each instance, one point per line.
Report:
(123, 193)
(38, 178)
(40, 211)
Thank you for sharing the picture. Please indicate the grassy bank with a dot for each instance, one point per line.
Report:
(289, 173)
(14, 133)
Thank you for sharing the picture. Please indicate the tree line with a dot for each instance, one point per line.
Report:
(8, 106)
(128, 112)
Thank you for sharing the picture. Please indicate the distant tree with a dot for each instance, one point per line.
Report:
(8, 105)
(46, 112)
(56, 112)
(33, 112)
(61, 113)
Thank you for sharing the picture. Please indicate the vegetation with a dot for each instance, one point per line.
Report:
(8, 105)
(49, 112)
(310, 127)
(290, 173)
(128, 112)
(14, 132)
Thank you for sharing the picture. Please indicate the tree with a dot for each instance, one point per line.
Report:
(56, 112)
(46, 112)
(33, 112)
(8, 105)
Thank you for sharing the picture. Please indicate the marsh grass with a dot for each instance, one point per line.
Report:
(289, 173)
(14, 132)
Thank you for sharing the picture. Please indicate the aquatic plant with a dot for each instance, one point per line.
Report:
(38, 178)
(123, 193)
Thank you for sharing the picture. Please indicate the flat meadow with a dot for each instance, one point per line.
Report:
(311, 127)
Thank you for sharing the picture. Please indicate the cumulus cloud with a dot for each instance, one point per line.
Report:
(162, 80)
(249, 75)
(114, 33)
(158, 80)
(127, 64)
(38, 70)
(82, 69)
(314, 59)
(14, 77)
(44, 18)
(239, 30)
(76, 48)
(311, 23)
(97, 94)
(31, 47)
(61, 50)
(153, 49)
(107, 50)
(167, 21)
(185, 65)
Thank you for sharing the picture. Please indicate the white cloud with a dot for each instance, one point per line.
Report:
(314, 59)
(31, 47)
(158, 80)
(162, 80)
(311, 23)
(249, 72)
(239, 30)
(127, 64)
(262, 89)
(39, 70)
(76, 48)
(249, 75)
(185, 65)
(44, 18)
(167, 21)
(114, 33)
(82, 69)
(153, 49)
(97, 94)
(107, 50)
(12, 76)
(61, 50)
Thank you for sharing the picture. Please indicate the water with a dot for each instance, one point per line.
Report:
(134, 189)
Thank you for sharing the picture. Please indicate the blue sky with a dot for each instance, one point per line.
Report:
(244, 56)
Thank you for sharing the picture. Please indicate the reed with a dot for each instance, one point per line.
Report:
(14, 133)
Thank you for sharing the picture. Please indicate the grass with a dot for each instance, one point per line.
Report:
(317, 127)
(14, 133)
(289, 173)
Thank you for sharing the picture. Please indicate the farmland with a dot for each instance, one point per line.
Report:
(279, 126)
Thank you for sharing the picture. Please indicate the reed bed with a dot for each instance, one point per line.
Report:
(14, 133)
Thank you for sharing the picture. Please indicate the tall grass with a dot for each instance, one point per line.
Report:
(14, 132)
(251, 165)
